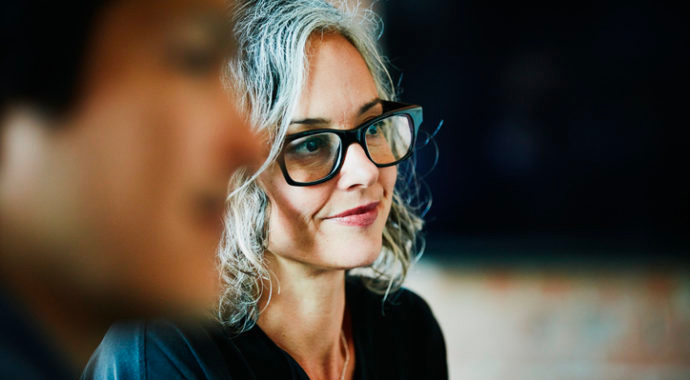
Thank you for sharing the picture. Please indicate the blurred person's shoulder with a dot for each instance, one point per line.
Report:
(158, 349)
(170, 350)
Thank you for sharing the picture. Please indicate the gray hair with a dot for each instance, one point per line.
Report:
(268, 74)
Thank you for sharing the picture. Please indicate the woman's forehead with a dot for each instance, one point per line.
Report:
(338, 83)
(371, 108)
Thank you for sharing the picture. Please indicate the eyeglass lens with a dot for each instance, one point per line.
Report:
(313, 157)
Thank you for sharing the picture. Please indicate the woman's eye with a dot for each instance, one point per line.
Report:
(311, 146)
(373, 130)
(308, 145)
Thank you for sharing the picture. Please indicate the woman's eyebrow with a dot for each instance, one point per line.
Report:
(369, 105)
(311, 121)
(321, 121)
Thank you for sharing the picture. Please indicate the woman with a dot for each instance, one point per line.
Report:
(324, 203)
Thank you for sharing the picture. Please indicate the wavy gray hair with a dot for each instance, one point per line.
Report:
(268, 74)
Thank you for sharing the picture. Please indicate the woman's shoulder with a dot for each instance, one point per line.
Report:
(168, 349)
(402, 304)
(401, 310)
(401, 333)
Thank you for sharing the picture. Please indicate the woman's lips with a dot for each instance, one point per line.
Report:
(359, 216)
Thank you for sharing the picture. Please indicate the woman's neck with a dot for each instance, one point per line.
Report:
(304, 316)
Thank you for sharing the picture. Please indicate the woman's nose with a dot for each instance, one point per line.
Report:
(357, 169)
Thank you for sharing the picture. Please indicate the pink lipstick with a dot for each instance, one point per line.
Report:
(362, 216)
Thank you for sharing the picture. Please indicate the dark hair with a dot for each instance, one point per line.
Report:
(44, 50)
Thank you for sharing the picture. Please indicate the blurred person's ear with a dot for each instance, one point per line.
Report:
(21, 129)
(23, 141)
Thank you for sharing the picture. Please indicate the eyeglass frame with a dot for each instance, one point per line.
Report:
(356, 135)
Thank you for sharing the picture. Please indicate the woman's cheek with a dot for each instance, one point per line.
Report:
(388, 177)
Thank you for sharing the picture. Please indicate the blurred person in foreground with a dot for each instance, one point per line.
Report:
(324, 205)
(117, 142)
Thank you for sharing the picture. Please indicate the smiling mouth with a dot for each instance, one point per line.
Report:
(362, 216)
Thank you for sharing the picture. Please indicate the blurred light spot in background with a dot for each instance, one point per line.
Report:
(561, 323)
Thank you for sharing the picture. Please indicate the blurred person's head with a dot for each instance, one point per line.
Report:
(306, 65)
(117, 142)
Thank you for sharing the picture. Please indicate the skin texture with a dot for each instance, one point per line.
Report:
(115, 210)
(308, 250)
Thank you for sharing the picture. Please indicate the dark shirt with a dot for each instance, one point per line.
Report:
(25, 352)
(399, 339)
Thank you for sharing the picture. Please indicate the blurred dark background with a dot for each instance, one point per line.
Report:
(565, 126)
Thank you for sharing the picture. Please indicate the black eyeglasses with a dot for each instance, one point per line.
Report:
(313, 157)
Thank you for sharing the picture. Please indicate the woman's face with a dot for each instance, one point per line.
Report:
(338, 223)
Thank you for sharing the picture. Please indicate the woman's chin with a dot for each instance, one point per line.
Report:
(354, 258)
